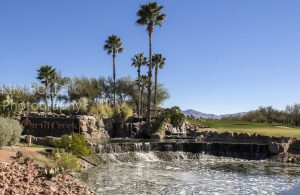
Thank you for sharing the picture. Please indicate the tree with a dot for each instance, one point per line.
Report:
(150, 15)
(174, 116)
(14, 99)
(138, 61)
(158, 62)
(112, 46)
(126, 90)
(44, 75)
(296, 114)
(84, 87)
(144, 81)
(53, 79)
(56, 82)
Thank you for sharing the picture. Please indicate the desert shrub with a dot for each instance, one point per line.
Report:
(122, 113)
(101, 110)
(10, 131)
(65, 161)
(75, 144)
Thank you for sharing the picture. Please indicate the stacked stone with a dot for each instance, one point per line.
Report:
(24, 178)
(92, 127)
(234, 136)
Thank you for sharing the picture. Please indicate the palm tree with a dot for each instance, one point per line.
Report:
(144, 82)
(158, 62)
(150, 15)
(53, 79)
(113, 45)
(44, 74)
(138, 61)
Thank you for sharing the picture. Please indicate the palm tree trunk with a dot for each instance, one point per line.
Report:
(46, 96)
(114, 76)
(142, 104)
(52, 98)
(149, 82)
(155, 90)
(139, 86)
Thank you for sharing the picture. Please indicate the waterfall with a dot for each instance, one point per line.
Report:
(153, 151)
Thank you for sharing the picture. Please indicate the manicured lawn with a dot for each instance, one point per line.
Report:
(249, 127)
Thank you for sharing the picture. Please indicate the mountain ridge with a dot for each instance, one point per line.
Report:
(198, 114)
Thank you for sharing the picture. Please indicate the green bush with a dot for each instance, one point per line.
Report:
(66, 161)
(122, 113)
(174, 116)
(10, 131)
(75, 144)
(102, 110)
(157, 125)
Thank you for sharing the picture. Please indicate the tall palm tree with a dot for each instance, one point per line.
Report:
(158, 62)
(53, 80)
(144, 82)
(44, 74)
(150, 15)
(138, 61)
(112, 46)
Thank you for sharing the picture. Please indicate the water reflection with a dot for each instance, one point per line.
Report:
(205, 175)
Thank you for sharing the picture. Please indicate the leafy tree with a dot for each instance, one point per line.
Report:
(138, 61)
(84, 87)
(150, 15)
(15, 99)
(112, 46)
(126, 90)
(158, 62)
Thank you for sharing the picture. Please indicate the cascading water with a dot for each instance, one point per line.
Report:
(131, 151)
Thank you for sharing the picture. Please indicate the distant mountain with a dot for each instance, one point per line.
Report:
(197, 114)
(234, 115)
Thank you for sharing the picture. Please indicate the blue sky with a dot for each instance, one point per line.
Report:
(222, 56)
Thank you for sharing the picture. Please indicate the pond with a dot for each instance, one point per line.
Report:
(207, 174)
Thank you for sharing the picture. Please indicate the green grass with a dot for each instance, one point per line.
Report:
(249, 127)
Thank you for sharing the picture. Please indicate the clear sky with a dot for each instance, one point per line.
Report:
(222, 56)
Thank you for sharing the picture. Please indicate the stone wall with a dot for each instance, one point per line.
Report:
(93, 127)
(89, 126)
(240, 137)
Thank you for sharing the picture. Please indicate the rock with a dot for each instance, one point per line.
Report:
(294, 147)
(28, 161)
(19, 178)
(275, 148)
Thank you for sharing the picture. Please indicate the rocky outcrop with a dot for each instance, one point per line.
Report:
(281, 149)
(92, 126)
(24, 178)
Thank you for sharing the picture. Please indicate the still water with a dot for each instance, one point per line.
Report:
(204, 175)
